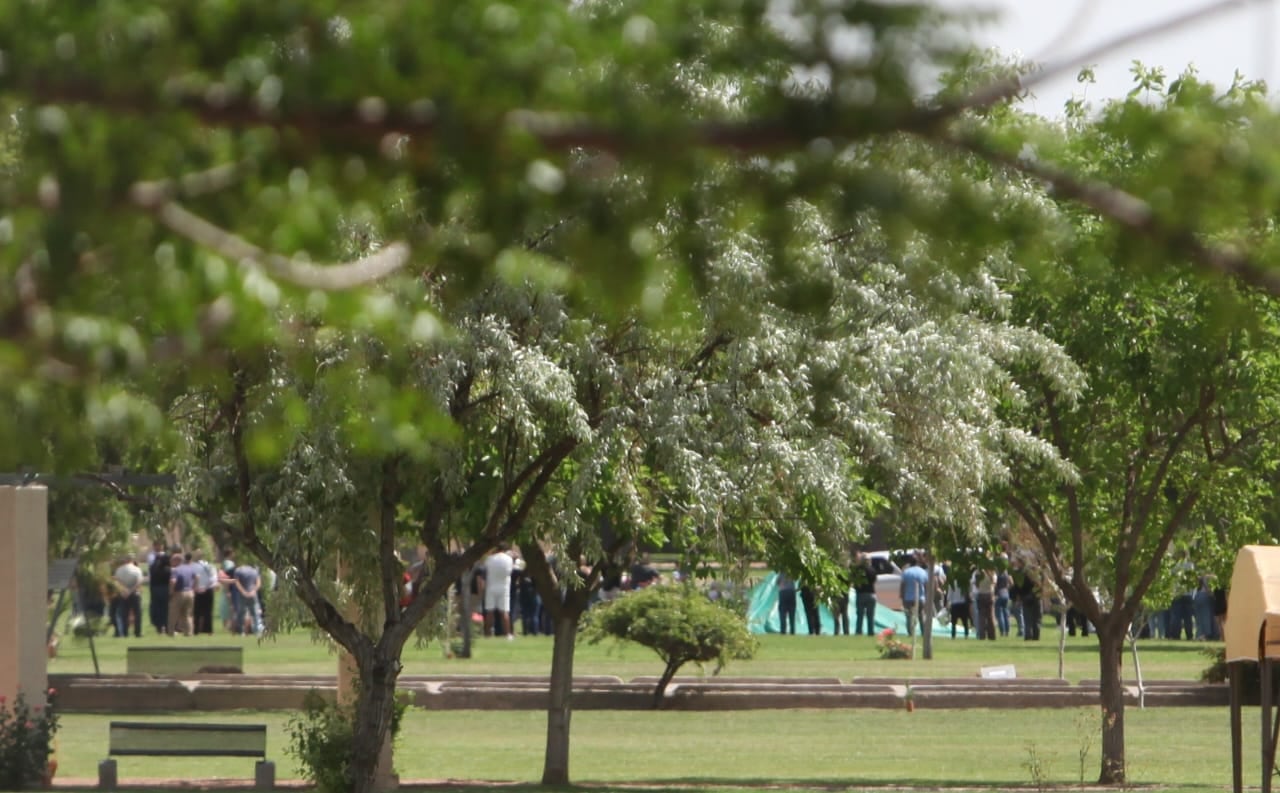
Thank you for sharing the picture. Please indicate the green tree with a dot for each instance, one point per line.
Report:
(1172, 441)
(679, 623)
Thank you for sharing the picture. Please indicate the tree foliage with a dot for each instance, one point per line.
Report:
(679, 623)
(1172, 443)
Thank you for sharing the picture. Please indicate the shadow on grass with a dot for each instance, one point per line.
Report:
(681, 785)
(711, 785)
(668, 785)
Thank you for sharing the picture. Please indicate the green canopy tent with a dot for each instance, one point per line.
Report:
(762, 614)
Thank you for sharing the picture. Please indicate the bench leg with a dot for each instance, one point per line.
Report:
(107, 777)
(264, 775)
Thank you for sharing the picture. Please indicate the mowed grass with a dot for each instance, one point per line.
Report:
(1183, 748)
(844, 657)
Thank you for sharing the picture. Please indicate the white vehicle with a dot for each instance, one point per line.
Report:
(887, 584)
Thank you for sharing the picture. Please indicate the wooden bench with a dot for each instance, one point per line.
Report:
(179, 661)
(185, 739)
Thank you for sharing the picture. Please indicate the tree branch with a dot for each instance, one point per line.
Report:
(326, 277)
(327, 615)
(1133, 600)
(388, 497)
(1130, 212)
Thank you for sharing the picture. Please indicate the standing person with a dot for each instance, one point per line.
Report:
(267, 587)
(157, 550)
(1181, 621)
(182, 596)
(813, 619)
(1206, 625)
(1002, 596)
(864, 595)
(159, 588)
(985, 586)
(248, 581)
(958, 605)
(527, 596)
(913, 589)
(1032, 605)
(115, 605)
(128, 577)
(786, 604)
(206, 587)
(497, 592)
(231, 596)
(840, 607)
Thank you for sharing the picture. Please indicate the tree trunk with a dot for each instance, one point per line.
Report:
(927, 611)
(667, 674)
(374, 708)
(1110, 654)
(663, 682)
(555, 764)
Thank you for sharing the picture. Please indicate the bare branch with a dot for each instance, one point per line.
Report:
(1149, 573)
(334, 277)
(418, 122)
(1126, 40)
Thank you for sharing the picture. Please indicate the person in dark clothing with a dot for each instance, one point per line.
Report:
(864, 597)
(786, 604)
(1220, 610)
(159, 587)
(1032, 610)
(643, 573)
(526, 593)
(809, 598)
(840, 607)
(1075, 619)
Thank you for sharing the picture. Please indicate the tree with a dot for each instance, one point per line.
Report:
(679, 623)
(1171, 443)
(222, 145)
(758, 429)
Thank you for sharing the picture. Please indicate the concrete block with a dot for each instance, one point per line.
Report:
(108, 777)
(264, 775)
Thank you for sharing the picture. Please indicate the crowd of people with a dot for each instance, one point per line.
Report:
(185, 592)
(503, 588)
(998, 595)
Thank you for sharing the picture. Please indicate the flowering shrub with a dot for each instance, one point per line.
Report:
(26, 741)
(890, 647)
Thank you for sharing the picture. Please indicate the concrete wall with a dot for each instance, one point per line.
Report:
(24, 584)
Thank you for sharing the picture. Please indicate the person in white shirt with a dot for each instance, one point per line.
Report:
(497, 592)
(128, 581)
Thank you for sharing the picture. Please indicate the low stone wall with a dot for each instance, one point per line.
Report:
(135, 694)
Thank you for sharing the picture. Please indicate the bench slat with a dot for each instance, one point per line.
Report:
(182, 660)
(187, 740)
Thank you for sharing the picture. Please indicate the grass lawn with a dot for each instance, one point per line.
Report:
(800, 656)
(1184, 748)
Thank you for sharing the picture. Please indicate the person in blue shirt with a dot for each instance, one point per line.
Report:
(913, 589)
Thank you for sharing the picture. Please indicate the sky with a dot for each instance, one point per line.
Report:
(1244, 37)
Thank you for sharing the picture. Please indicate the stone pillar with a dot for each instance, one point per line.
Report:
(24, 585)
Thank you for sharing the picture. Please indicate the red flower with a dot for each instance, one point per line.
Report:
(53, 692)
(887, 632)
